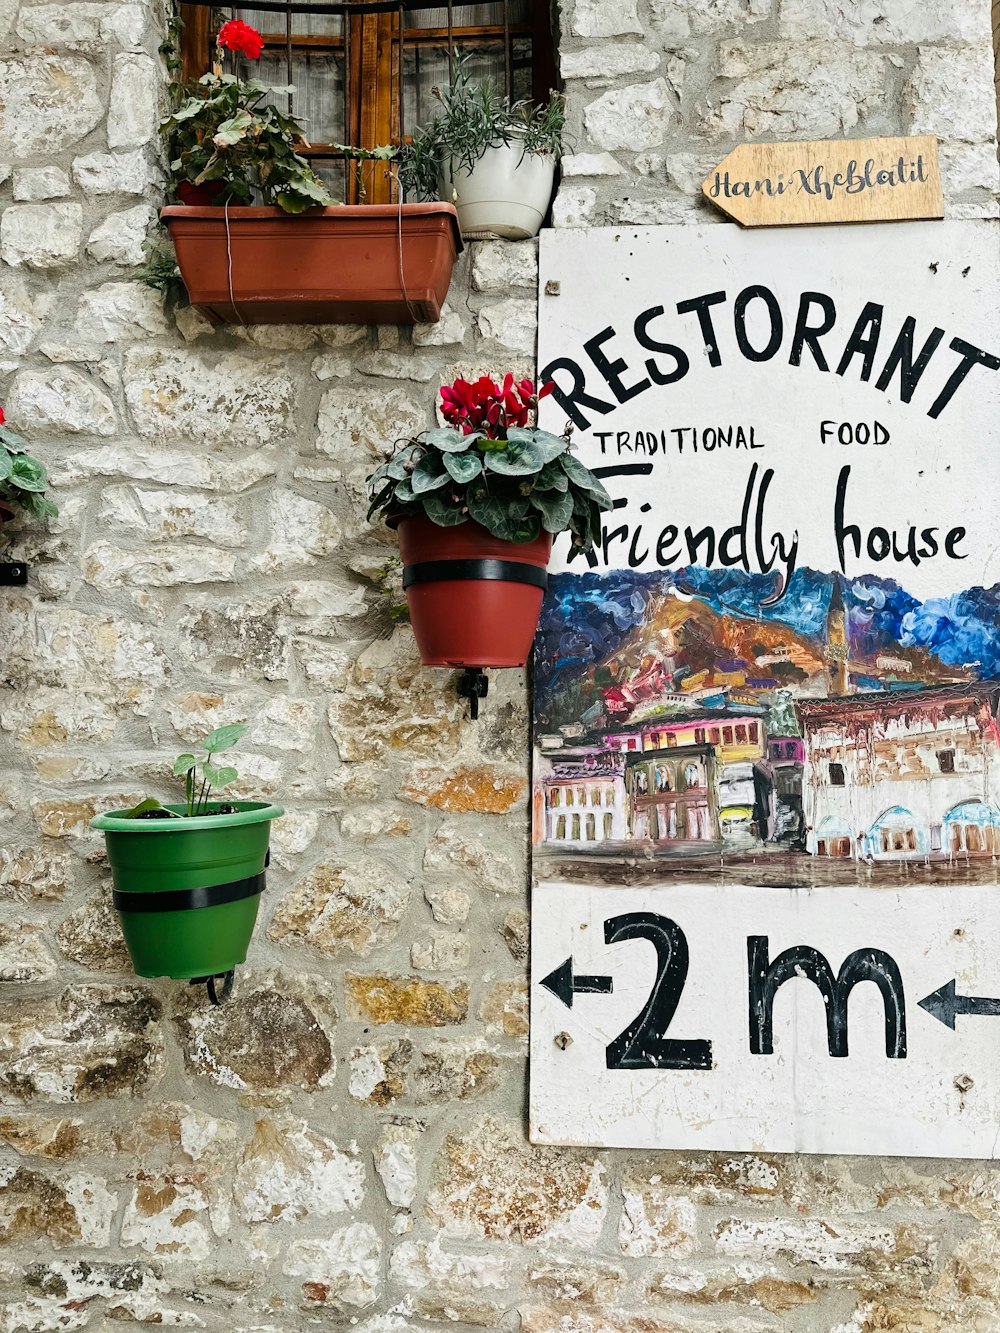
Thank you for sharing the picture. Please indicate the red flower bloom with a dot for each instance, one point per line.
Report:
(2, 417)
(490, 407)
(240, 37)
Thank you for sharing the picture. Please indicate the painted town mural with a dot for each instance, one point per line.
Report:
(777, 667)
(682, 722)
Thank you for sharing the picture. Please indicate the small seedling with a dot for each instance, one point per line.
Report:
(202, 775)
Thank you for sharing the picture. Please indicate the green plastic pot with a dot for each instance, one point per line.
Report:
(210, 865)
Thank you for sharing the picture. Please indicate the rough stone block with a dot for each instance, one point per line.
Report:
(379, 1071)
(175, 395)
(34, 183)
(40, 236)
(120, 311)
(168, 515)
(678, 19)
(605, 18)
(341, 1273)
(169, 565)
(874, 23)
(171, 1218)
(607, 63)
(500, 265)
(24, 955)
(47, 103)
(640, 116)
(242, 638)
(289, 1171)
(302, 531)
(804, 90)
(950, 93)
(133, 114)
(343, 908)
(276, 1034)
(74, 1210)
(118, 238)
(491, 870)
(482, 788)
(512, 323)
(91, 1043)
(450, 1071)
(409, 1000)
(505, 1008)
(92, 936)
(488, 1182)
(114, 173)
(655, 1221)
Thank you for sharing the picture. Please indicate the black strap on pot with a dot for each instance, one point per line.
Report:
(188, 900)
(507, 571)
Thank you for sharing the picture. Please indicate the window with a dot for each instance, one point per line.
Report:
(836, 774)
(752, 731)
(713, 736)
(561, 828)
(699, 735)
(946, 761)
(741, 735)
(576, 828)
(555, 796)
(365, 78)
(591, 828)
(727, 735)
(692, 777)
(609, 825)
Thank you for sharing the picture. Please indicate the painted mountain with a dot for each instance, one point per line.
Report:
(642, 645)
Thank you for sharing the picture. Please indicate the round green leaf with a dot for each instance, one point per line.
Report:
(27, 473)
(463, 467)
(443, 512)
(449, 440)
(517, 461)
(428, 475)
(223, 738)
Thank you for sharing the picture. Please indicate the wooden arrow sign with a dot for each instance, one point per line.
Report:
(828, 180)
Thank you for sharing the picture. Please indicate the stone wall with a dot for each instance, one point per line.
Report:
(344, 1144)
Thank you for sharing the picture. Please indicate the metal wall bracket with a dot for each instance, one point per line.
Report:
(473, 684)
(13, 575)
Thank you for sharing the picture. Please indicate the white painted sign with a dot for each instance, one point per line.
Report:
(737, 1018)
(767, 709)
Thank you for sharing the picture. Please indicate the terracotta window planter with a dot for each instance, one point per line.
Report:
(367, 264)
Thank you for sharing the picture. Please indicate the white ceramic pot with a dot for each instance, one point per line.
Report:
(507, 192)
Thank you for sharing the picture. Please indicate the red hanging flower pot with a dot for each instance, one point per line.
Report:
(474, 600)
(476, 504)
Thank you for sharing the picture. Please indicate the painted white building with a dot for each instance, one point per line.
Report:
(892, 776)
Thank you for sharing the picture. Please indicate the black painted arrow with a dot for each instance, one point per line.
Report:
(563, 983)
(946, 1006)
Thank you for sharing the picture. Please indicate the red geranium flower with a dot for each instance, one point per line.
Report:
(240, 37)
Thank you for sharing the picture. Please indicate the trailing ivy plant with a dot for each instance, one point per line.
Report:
(490, 466)
(225, 132)
(202, 775)
(23, 479)
(475, 116)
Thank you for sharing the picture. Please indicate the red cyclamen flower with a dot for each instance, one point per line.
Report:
(240, 37)
(489, 407)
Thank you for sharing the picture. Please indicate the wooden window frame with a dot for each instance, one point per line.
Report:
(372, 50)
